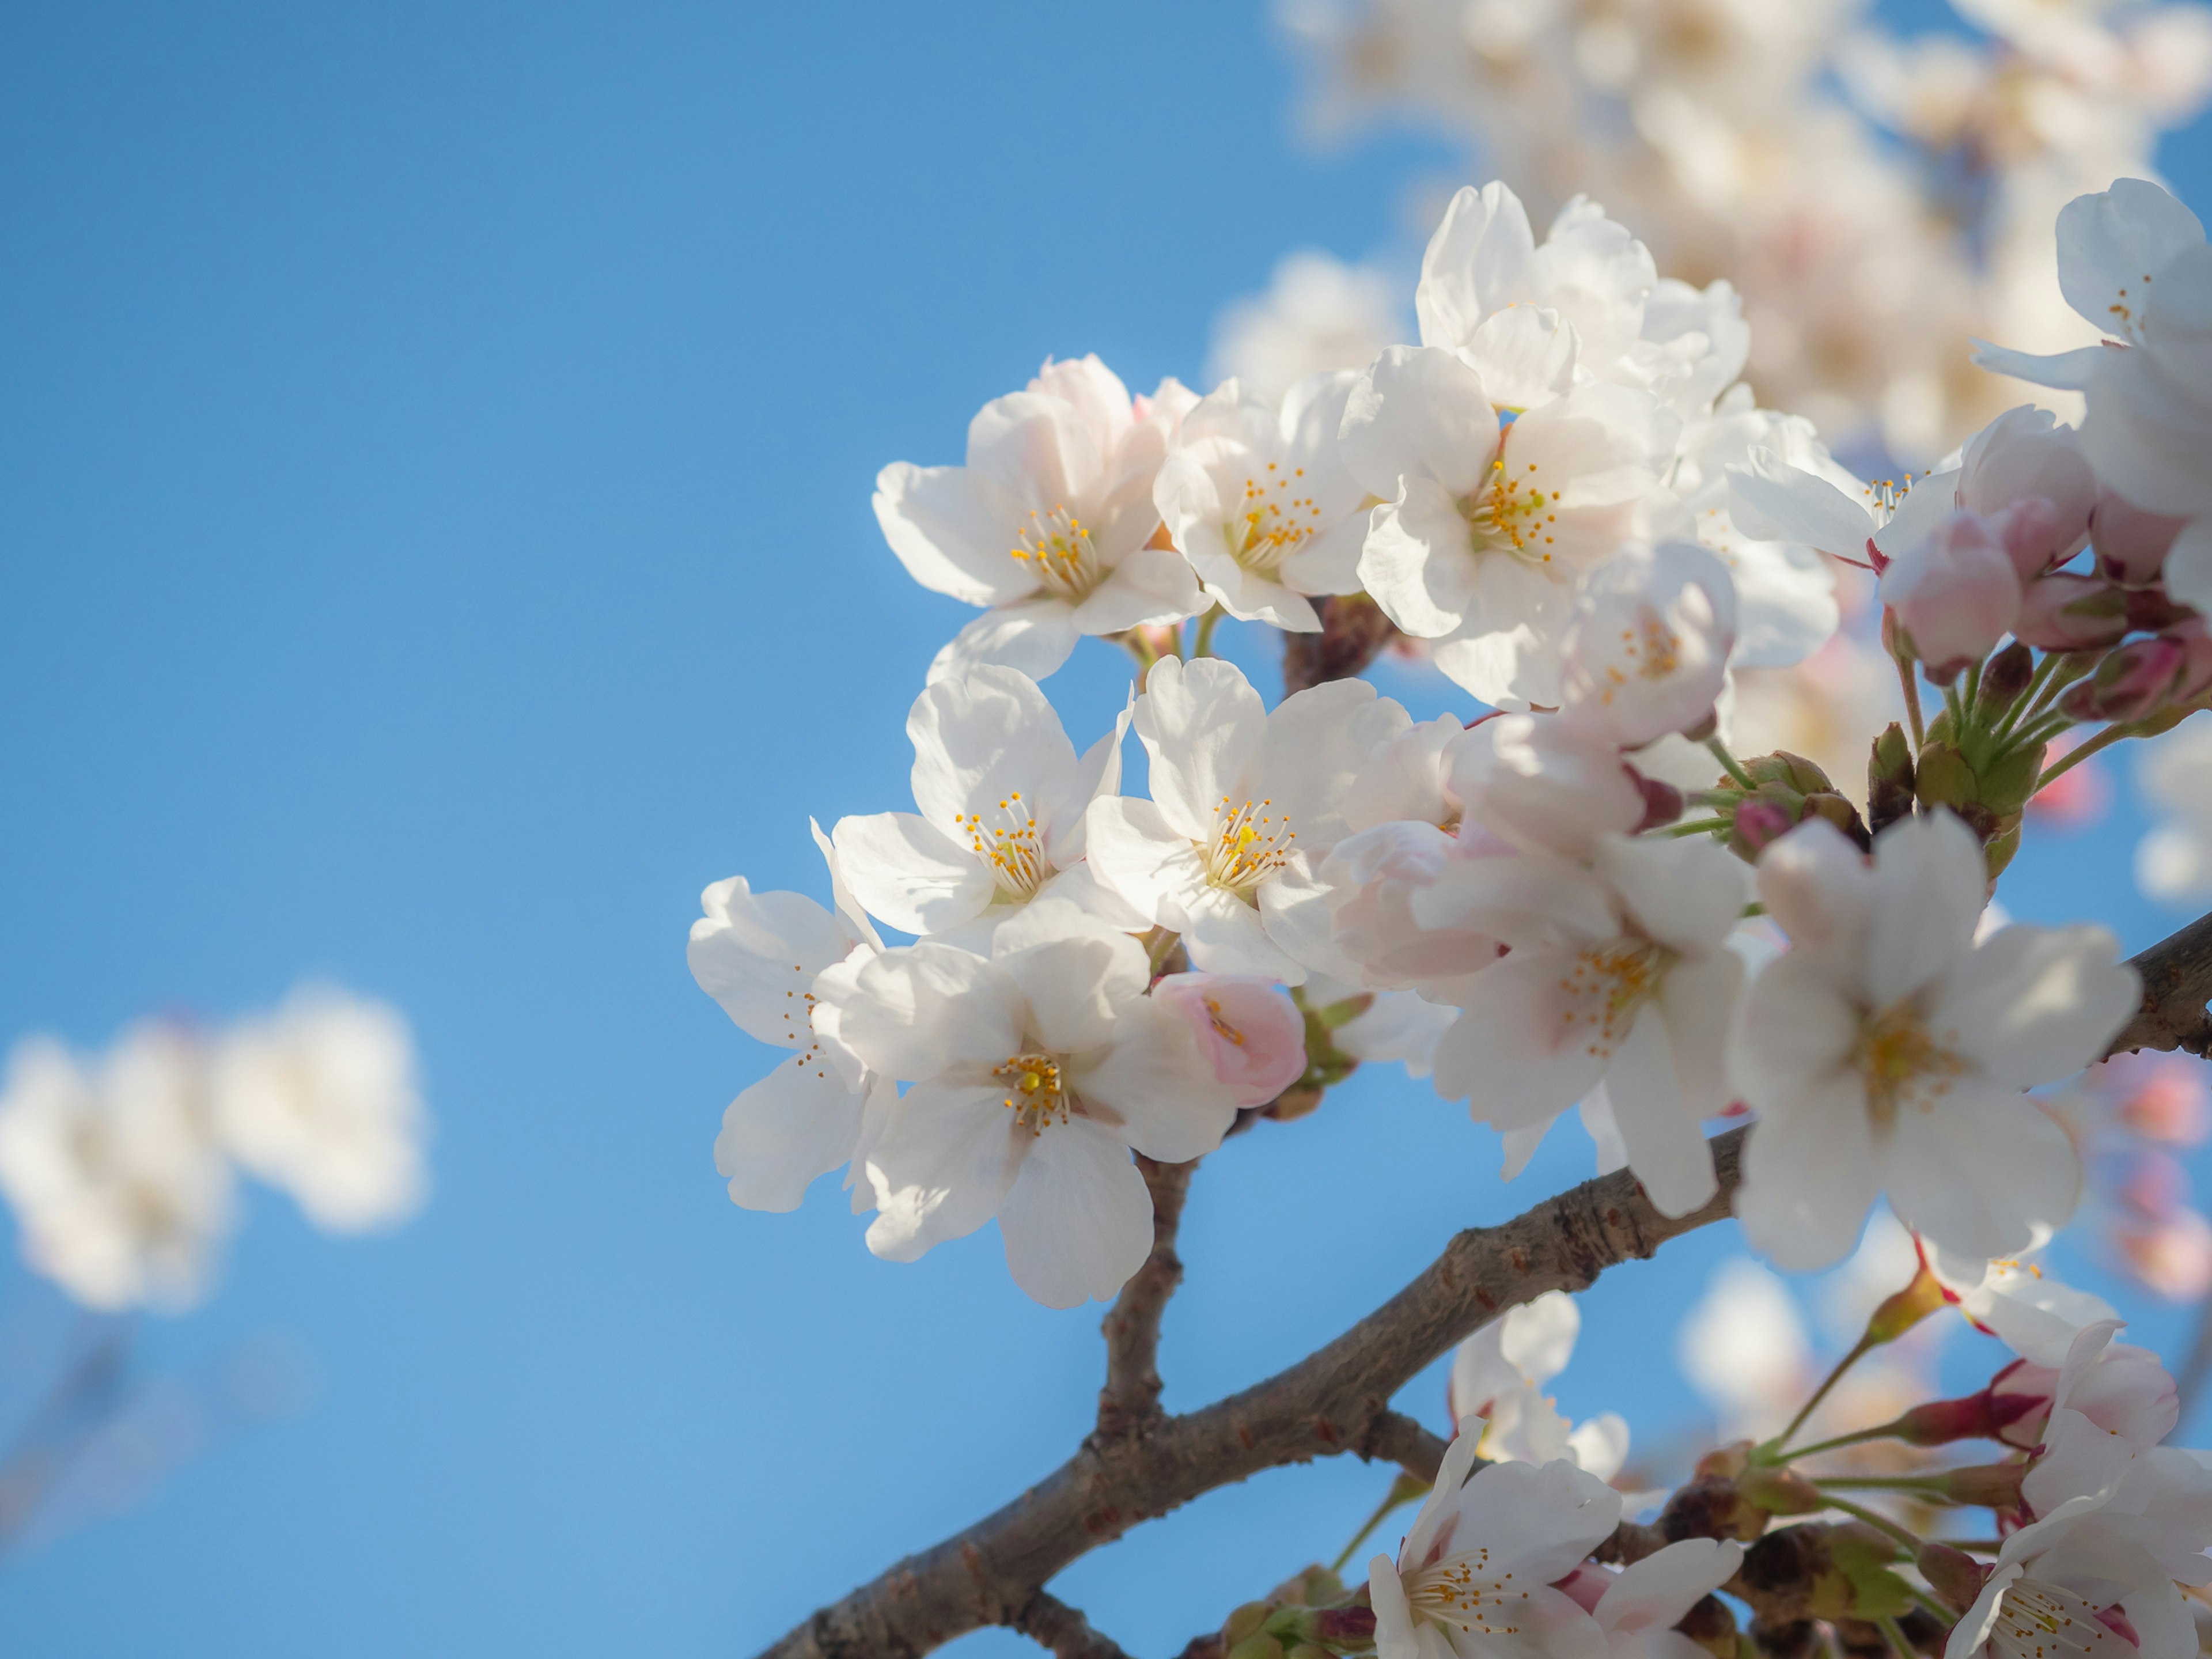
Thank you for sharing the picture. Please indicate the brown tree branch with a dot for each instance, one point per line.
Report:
(1130, 1397)
(1337, 1398)
(1051, 1623)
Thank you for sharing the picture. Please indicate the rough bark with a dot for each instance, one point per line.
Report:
(1132, 1327)
(1334, 1401)
(1051, 1623)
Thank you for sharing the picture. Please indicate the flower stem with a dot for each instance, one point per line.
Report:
(1141, 649)
(1881, 1431)
(1697, 827)
(1911, 700)
(1203, 646)
(1729, 764)
(1403, 1490)
(1898, 1645)
(1880, 1522)
(1858, 1352)
(2029, 699)
(2104, 739)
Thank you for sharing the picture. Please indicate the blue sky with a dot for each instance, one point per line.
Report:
(434, 543)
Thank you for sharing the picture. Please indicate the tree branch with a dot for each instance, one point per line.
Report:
(1051, 1623)
(1337, 1398)
(1130, 1397)
(1334, 1401)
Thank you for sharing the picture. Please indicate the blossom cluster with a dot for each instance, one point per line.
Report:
(121, 1168)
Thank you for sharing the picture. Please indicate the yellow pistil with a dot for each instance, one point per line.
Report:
(1902, 1062)
(1035, 1094)
(1013, 847)
(1463, 1591)
(1057, 548)
(1605, 988)
(1272, 520)
(1508, 513)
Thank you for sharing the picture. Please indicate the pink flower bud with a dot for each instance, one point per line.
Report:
(2029, 532)
(1662, 801)
(2026, 1392)
(1761, 822)
(2026, 455)
(2134, 681)
(2062, 612)
(1955, 593)
(1253, 1034)
(2131, 543)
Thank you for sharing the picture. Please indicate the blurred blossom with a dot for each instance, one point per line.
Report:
(2173, 862)
(2127, 1115)
(119, 1190)
(1318, 313)
(119, 1168)
(319, 1098)
(1743, 1348)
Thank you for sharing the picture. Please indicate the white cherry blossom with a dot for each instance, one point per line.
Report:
(1473, 1577)
(1034, 1071)
(1543, 783)
(320, 1099)
(1246, 801)
(1619, 972)
(764, 956)
(119, 1187)
(1641, 1604)
(1887, 1052)
(1049, 524)
(1647, 645)
(1256, 497)
(1317, 313)
(1497, 1375)
(1003, 796)
(1487, 525)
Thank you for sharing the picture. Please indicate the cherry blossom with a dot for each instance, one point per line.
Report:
(1256, 498)
(1034, 1073)
(1049, 524)
(1252, 1034)
(1497, 1375)
(1003, 796)
(1648, 645)
(1887, 1052)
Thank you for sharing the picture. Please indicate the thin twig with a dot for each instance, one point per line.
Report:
(1130, 1397)
(1051, 1623)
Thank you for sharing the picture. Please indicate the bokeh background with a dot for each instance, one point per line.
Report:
(435, 445)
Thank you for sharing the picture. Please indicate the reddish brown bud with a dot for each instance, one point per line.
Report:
(1662, 801)
(1952, 1574)
(1711, 1623)
(1712, 1508)
(1983, 1416)
(1982, 1485)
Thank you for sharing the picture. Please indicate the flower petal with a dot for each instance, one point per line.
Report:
(1078, 1221)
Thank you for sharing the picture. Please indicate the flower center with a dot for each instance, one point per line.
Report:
(1035, 1094)
(1465, 1591)
(1221, 1024)
(1013, 846)
(2036, 1620)
(1509, 514)
(1057, 550)
(1272, 522)
(1250, 844)
(1605, 988)
(1902, 1062)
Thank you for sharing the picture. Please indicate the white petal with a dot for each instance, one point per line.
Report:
(1135, 853)
(1077, 1221)
(1075, 986)
(979, 738)
(1666, 1142)
(1154, 1078)
(1544, 1519)
(2062, 370)
(1982, 1170)
(1033, 636)
(910, 873)
(1660, 1590)
(1688, 894)
(1479, 259)
(2033, 1004)
(799, 1122)
(1153, 584)
(1771, 500)
(1225, 935)
(946, 1159)
(1418, 412)
(951, 529)
(1521, 1052)
(919, 1009)
(1418, 561)
(2111, 244)
(1817, 885)
(1810, 1179)
(1930, 888)
(1798, 1031)
(1206, 730)
(758, 954)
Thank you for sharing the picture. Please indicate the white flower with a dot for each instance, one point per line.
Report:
(1002, 796)
(1256, 498)
(1246, 802)
(1617, 973)
(320, 1099)
(764, 956)
(1049, 522)
(1497, 1375)
(1542, 783)
(1645, 1600)
(117, 1184)
(1886, 1051)
(1648, 644)
(1473, 1578)
(1807, 498)
(1744, 1347)
(1487, 525)
(1034, 1071)
(2021, 1303)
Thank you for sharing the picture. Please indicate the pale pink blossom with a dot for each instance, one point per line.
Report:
(1253, 1034)
(1955, 593)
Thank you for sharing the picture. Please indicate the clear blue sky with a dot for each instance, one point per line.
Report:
(435, 453)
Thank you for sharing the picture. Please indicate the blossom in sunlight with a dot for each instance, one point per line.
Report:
(1648, 646)
(1050, 525)
(117, 1184)
(1002, 794)
(1318, 313)
(1255, 496)
(1252, 1034)
(764, 956)
(1498, 1376)
(320, 1099)
(1478, 1565)
(1034, 1073)
(1886, 1052)
(1245, 802)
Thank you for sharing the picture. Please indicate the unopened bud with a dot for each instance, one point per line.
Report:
(1889, 779)
(1952, 1574)
(1942, 776)
(1839, 812)
(1344, 1626)
(1712, 1508)
(1245, 1620)
(2005, 676)
(2004, 785)
(2065, 612)
(1307, 1651)
(1259, 1646)
(1792, 771)
(1725, 1462)
(1711, 1623)
(2129, 683)
(1758, 824)
(1863, 1555)
(1981, 1486)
